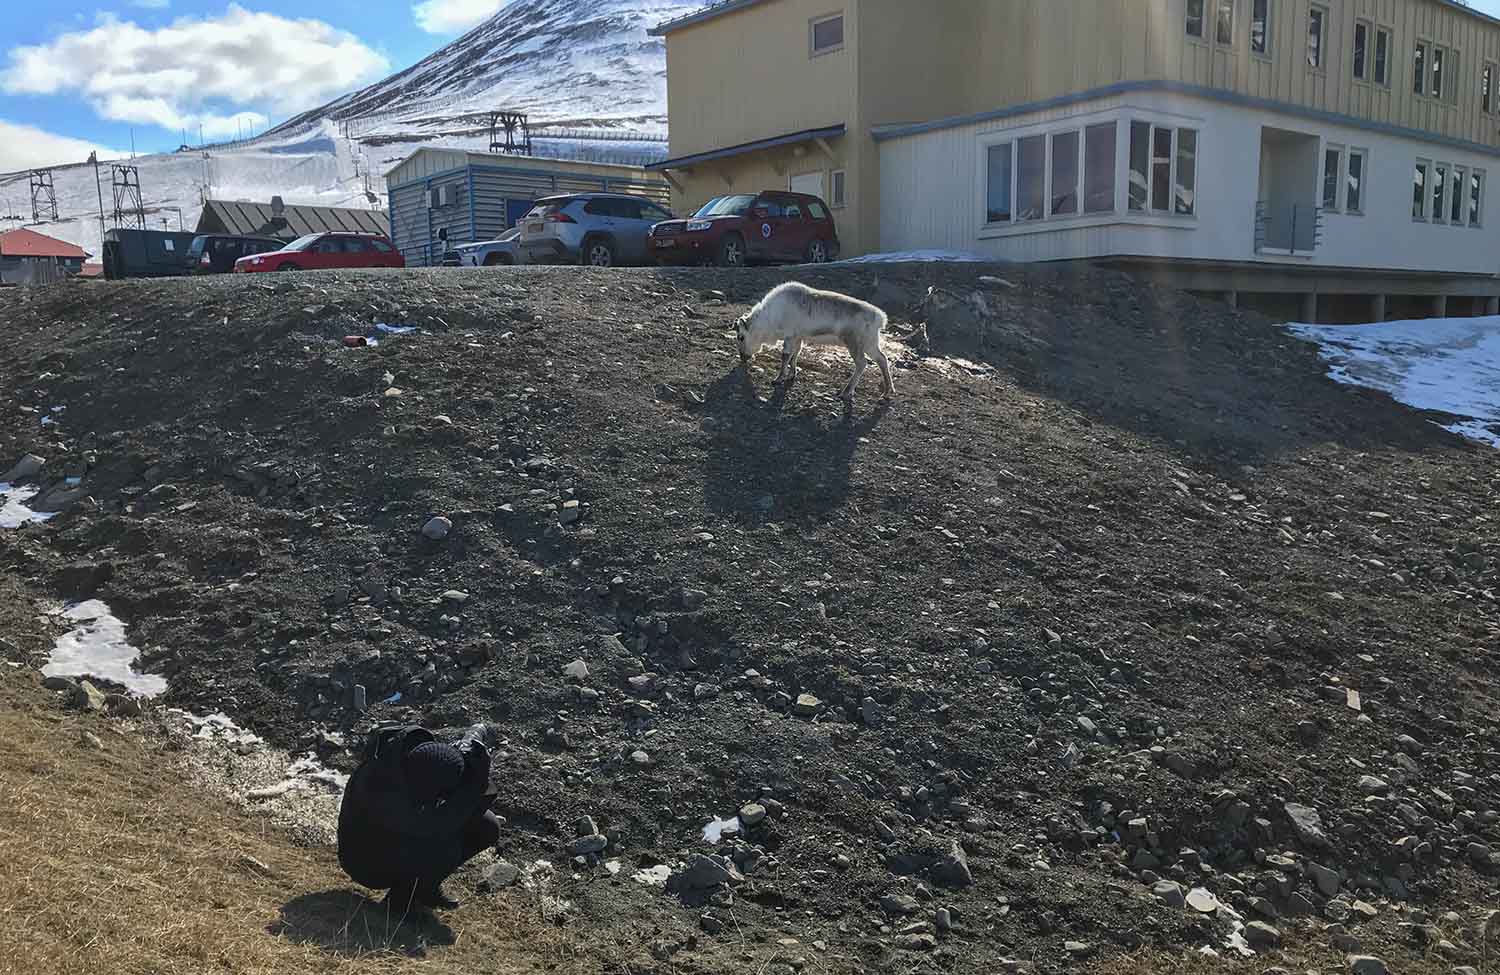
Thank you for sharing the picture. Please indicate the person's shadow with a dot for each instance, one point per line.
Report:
(346, 922)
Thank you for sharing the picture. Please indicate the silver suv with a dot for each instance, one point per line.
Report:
(597, 229)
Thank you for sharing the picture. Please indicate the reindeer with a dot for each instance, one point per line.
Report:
(800, 314)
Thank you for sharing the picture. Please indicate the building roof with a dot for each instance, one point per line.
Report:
(790, 139)
(256, 219)
(28, 243)
(699, 16)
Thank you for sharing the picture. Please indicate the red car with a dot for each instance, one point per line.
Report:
(318, 252)
(733, 231)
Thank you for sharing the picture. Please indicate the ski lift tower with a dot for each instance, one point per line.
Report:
(511, 123)
(43, 196)
(126, 183)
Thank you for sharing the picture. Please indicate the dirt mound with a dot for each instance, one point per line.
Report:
(1081, 610)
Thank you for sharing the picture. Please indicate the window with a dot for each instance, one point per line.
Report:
(827, 34)
(997, 196)
(1195, 18)
(1260, 26)
(1419, 70)
(1361, 50)
(1419, 191)
(353, 245)
(1317, 20)
(1354, 182)
(1382, 56)
(840, 182)
(815, 210)
(1161, 168)
(1065, 166)
(794, 211)
(1437, 72)
(1099, 168)
(1476, 196)
(1224, 30)
(650, 211)
(1487, 89)
(1333, 170)
(1456, 196)
(772, 207)
(1185, 195)
(1140, 164)
(381, 246)
(1439, 187)
(1031, 178)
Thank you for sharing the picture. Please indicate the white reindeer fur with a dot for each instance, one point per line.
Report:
(799, 314)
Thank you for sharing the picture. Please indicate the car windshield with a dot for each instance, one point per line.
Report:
(544, 207)
(196, 248)
(302, 243)
(726, 206)
(510, 234)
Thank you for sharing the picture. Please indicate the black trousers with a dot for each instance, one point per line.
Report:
(421, 868)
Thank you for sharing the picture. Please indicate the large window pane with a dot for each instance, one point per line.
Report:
(1315, 22)
(1260, 26)
(1476, 197)
(1419, 70)
(1456, 196)
(1354, 185)
(1361, 42)
(1419, 191)
(1031, 178)
(1187, 171)
(1161, 169)
(1332, 164)
(1224, 33)
(1195, 18)
(1439, 187)
(997, 197)
(828, 34)
(1099, 169)
(1382, 57)
(1064, 173)
(1140, 164)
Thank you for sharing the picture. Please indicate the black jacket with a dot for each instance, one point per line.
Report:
(386, 838)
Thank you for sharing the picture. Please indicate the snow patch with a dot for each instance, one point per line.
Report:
(13, 510)
(920, 257)
(97, 647)
(714, 831)
(1448, 365)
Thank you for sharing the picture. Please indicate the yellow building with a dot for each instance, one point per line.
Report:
(1295, 136)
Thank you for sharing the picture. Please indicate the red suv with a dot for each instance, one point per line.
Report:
(733, 231)
(318, 252)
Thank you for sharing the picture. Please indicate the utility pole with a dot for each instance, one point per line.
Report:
(94, 158)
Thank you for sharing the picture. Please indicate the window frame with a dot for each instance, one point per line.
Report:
(1488, 71)
(1220, 28)
(986, 155)
(1421, 65)
(1437, 192)
(1187, 20)
(1474, 211)
(1387, 35)
(813, 51)
(1072, 198)
(838, 189)
(1350, 154)
(1339, 153)
(1105, 133)
(1425, 167)
(1114, 169)
(1267, 48)
(1458, 179)
(1362, 73)
(1174, 153)
(1320, 13)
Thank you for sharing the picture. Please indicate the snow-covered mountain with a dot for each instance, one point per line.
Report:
(586, 71)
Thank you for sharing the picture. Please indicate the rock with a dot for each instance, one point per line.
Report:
(437, 529)
(1307, 824)
(916, 942)
(1367, 965)
(1078, 949)
(691, 599)
(457, 596)
(1365, 910)
(577, 670)
(91, 740)
(751, 814)
(569, 513)
(710, 924)
(943, 919)
(500, 875)
(585, 845)
(28, 466)
(869, 712)
(1409, 745)
(585, 826)
(903, 905)
(952, 870)
(122, 705)
(88, 697)
(56, 683)
(806, 706)
(1299, 906)
(1480, 854)
(702, 872)
(1327, 880)
(1371, 786)
(1345, 942)
(81, 580)
(1261, 935)
(1144, 859)
(640, 759)
(1202, 901)
(702, 692)
(1169, 893)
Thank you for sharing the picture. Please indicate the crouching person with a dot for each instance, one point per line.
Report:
(414, 811)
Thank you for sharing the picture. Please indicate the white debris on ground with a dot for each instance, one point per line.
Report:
(1449, 365)
(920, 257)
(97, 647)
(13, 510)
(299, 794)
(716, 828)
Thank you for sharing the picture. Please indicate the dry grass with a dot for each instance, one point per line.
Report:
(113, 863)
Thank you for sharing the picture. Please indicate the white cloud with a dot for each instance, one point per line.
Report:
(453, 16)
(197, 70)
(28, 147)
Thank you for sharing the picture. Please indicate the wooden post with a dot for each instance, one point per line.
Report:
(1378, 311)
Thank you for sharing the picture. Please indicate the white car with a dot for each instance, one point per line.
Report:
(501, 252)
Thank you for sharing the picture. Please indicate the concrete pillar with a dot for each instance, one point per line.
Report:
(1310, 308)
(1492, 305)
(1440, 306)
(1232, 299)
(1377, 311)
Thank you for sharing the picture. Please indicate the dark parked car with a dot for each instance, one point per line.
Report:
(216, 253)
(746, 228)
(317, 252)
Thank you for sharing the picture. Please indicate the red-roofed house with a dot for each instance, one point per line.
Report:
(27, 257)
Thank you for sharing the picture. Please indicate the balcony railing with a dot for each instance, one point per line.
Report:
(1287, 228)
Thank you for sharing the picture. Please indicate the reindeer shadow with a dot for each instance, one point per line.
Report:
(787, 457)
(349, 924)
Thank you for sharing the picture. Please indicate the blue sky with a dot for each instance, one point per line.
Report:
(95, 74)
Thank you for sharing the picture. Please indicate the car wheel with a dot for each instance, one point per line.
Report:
(599, 253)
(288, 266)
(817, 252)
(732, 251)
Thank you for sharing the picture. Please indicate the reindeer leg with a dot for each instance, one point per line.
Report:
(859, 370)
(885, 370)
(790, 350)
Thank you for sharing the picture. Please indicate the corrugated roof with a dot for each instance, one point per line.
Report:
(256, 218)
(28, 243)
